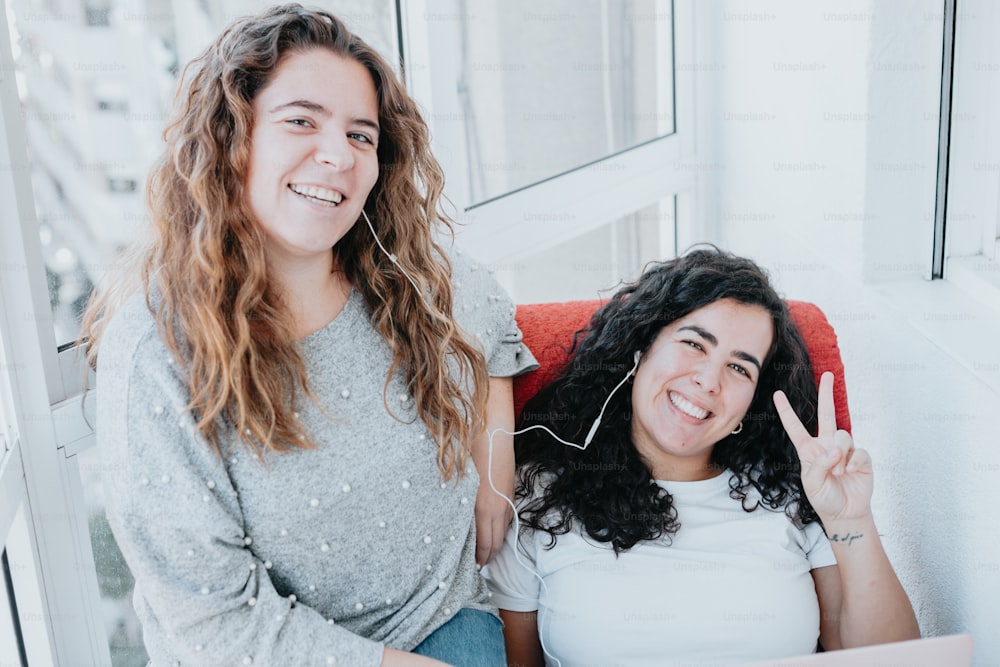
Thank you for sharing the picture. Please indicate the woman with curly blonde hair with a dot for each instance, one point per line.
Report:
(293, 381)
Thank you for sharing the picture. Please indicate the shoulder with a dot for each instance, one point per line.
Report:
(485, 312)
(132, 328)
(133, 357)
(471, 279)
(480, 305)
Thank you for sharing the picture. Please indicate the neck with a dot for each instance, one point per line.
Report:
(314, 293)
(694, 473)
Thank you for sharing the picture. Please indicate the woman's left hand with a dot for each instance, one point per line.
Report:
(861, 600)
(836, 477)
(494, 512)
(493, 517)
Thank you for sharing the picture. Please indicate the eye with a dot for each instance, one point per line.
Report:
(300, 122)
(694, 344)
(363, 138)
(741, 370)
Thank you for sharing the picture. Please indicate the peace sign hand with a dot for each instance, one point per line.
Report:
(836, 477)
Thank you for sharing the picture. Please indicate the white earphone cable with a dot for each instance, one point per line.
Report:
(517, 521)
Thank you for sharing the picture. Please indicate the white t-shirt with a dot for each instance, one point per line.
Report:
(733, 586)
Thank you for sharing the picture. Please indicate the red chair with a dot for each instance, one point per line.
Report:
(549, 327)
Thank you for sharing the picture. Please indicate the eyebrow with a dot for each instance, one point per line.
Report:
(323, 111)
(712, 340)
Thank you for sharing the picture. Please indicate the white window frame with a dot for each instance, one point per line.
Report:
(972, 232)
(56, 590)
(505, 228)
(959, 314)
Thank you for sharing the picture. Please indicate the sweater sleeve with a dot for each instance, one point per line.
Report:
(486, 313)
(203, 596)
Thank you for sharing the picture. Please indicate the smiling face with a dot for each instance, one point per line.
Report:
(313, 154)
(694, 385)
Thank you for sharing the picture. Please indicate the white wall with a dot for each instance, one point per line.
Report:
(822, 118)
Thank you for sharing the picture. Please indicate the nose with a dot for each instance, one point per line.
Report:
(707, 377)
(335, 150)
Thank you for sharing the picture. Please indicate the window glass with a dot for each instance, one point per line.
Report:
(96, 80)
(10, 640)
(20, 591)
(547, 87)
(121, 625)
(593, 265)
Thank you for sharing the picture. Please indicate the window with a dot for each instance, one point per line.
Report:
(551, 121)
(544, 89)
(973, 206)
(592, 265)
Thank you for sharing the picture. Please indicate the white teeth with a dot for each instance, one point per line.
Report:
(322, 194)
(687, 407)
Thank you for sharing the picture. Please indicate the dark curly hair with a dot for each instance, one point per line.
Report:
(607, 487)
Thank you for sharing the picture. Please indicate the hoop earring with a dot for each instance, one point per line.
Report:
(739, 429)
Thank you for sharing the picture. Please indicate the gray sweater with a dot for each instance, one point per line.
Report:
(312, 557)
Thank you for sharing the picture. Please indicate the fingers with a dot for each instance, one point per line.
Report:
(860, 462)
(838, 456)
(790, 421)
(841, 446)
(815, 471)
(826, 413)
(484, 544)
(490, 534)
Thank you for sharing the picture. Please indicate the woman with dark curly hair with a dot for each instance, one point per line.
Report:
(685, 523)
(293, 385)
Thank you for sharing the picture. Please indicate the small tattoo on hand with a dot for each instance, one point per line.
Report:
(847, 537)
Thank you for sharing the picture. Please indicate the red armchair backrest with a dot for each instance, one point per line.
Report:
(549, 327)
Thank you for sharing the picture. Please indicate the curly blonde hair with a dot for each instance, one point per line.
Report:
(216, 308)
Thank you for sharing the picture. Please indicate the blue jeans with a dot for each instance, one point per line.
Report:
(472, 638)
